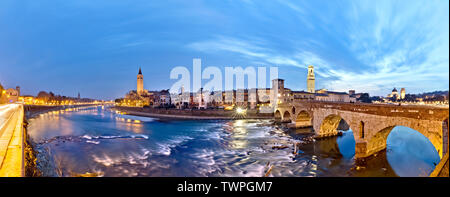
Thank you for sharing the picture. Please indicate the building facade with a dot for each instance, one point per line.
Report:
(277, 92)
(303, 96)
(161, 98)
(331, 96)
(10, 95)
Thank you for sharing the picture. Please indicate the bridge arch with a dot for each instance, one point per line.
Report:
(407, 147)
(330, 125)
(277, 116)
(286, 116)
(377, 141)
(303, 119)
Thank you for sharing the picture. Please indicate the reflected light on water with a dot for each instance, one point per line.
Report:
(65, 122)
(239, 134)
(134, 126)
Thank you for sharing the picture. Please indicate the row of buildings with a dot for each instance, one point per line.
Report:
(254, 98)
(9, 95)
(12, 95)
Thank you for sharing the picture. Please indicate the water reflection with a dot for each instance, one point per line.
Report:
(239, 134)
(406, 146)
(408, 153)
(346, 144)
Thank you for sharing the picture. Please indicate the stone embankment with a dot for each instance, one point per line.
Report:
(31, 111)
(206, 114)
(34, 110)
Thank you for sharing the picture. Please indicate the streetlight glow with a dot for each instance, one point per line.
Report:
(240, 110)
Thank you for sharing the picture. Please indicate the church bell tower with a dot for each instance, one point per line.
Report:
(310, 80)
(140, 83)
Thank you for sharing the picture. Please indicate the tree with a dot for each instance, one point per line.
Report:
(44, 96)
(365, 98)
(376, 98)
(1, 93)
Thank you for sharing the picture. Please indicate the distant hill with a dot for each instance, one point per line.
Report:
(435, 93)
(432, 96)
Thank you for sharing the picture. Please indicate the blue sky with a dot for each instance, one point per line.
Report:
(96, 47)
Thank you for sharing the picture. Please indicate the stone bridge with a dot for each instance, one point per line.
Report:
(370, 123)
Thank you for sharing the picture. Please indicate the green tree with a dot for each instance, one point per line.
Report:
(365, 98)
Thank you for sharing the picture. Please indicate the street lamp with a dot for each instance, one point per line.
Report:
(240, 110)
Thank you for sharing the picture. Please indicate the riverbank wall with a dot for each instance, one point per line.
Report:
(33, 110)
(198, 114)
(29, 152)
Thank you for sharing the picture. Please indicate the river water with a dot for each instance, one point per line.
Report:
(98, 141)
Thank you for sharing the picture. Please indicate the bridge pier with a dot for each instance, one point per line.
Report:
(361, 149)
(286, 121)
(302, 124)
(364, 149)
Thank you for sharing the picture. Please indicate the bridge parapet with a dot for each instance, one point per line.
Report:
(409, 111)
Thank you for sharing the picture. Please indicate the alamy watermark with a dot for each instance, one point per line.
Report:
(225, 89)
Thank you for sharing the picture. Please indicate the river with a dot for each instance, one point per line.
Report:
(97, 141)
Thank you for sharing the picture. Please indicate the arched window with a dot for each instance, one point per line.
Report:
(361, 129)
(293, 110)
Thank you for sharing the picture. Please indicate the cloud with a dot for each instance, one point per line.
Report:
(370, 46)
